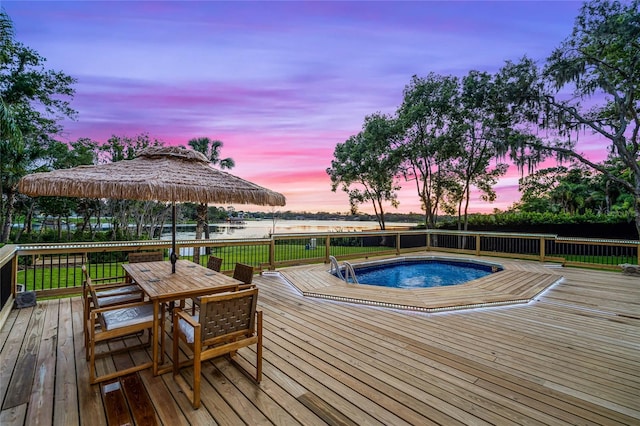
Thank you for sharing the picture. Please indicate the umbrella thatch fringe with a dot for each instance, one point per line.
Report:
(170, 174)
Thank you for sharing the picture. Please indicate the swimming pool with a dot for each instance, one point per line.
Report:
(412, 273)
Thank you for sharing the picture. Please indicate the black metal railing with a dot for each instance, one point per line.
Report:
(55, 269)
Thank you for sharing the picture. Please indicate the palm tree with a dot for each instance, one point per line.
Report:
(9, 130)
(211, 149)
(10, 135)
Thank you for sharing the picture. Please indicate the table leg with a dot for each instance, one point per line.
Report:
(154, 340)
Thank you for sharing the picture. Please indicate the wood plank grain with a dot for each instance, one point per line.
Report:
(20, 386)
(325, 411)
(40, 410)
(163, 399)
(11, 348)
(115, 404)
(138, 399)
(66, 396)
(14, 416)
(92, 410)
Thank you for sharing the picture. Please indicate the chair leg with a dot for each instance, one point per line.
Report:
(259, 348)
(161, 331)
(92, 351)
(197, 369)
(87, 339)
(85, 313)
(176, 344)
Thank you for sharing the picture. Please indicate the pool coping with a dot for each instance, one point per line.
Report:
(519, 282)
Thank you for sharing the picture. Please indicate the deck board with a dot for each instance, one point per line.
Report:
(570, 356)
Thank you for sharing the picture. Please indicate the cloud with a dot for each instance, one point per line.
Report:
(280, 83)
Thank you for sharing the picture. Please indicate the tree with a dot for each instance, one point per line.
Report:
(33, 99)
(575, 190)
(9, 129)
(536, 187)
(365, 166)
(211, 149)
(599, 63)
(478, 129)
(426, 144)
(118, 148)
(146, 215)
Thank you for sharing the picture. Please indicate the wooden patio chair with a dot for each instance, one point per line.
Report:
(105, 294)
(108, 323)
(214, 263)
(226, 323)
(145, 256)
(243, 273)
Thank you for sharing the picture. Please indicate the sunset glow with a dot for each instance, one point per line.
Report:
(280, 83)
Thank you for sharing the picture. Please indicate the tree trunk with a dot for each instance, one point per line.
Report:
(636, 202)
(201, 220)
(28, 220)
(59, 226)
(466, 208)
(8, 217)
(207, 231)
(68, 228)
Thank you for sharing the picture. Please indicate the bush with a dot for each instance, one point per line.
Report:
(588, 225)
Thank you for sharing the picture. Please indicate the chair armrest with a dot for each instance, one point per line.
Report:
(122, 306)
(188, 318)
(122, 319)
(119, 277)
(107, 294)
(107, 286)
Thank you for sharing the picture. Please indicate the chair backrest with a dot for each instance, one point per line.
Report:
(86, 282)
(243, 273)
(227, 316)
(146, 256)
(85, 272)
(214, 263)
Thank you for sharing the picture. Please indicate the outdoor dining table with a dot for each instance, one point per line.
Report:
(162, 286)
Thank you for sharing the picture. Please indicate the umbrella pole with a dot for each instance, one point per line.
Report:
(174, 256)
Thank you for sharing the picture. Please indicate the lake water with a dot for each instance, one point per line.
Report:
(263, 228)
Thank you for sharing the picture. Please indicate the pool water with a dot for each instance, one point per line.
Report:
(421, 273)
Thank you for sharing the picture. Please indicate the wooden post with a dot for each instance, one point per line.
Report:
(478, 245)
(427, 235)
(327, 249)
(272, 254)
(542, 248)
(398, 244)
(14, 276)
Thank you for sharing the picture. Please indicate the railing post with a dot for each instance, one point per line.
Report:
(478, 245)
(427, 235)
(398, 244)
(638, 254)
(327, 249)
(8, 280)
(272, 254)
(543, 242)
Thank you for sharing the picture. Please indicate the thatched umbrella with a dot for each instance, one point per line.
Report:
(170, 174)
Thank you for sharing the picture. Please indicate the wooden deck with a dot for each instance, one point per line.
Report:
(572, 356)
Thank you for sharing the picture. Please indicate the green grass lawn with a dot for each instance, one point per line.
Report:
(256, 255)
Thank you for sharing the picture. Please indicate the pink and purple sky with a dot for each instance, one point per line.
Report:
(280, 83)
